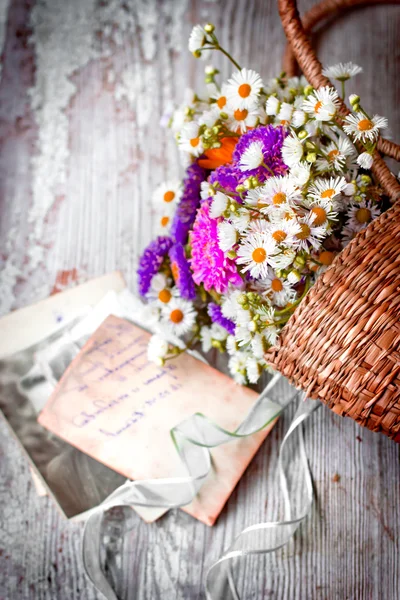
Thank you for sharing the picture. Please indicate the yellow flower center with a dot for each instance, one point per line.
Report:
(276, 285)
(304, 233)
(240, 115)
(320, 215)
(328, 193)
(279, 236)
(318, 106)
(221, 102)
(326, 258)
(169, 196)
(284, 122)
(164, 296)
(332, 155)
(365, 125)
(194, 142)
(176, 315)
(279, 198)
(244, 90)
(363, 215)
(259, 255)
(164, 221)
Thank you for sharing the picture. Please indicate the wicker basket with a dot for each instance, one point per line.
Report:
(342, 344)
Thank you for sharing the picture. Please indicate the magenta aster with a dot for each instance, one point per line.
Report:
(209, 264)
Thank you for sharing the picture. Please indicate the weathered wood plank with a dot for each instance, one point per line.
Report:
(81, 150)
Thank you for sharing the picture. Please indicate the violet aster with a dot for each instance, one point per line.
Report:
(186, 210)
(151, 261)
(215, 313)
(268, 140)
(181, 271)
(209, 264)
(228, 176)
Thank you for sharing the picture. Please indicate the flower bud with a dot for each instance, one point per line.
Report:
(209, 28)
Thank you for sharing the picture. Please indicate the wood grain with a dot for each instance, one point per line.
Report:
(83, 87)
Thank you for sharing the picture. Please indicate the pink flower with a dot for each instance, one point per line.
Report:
(209, 264)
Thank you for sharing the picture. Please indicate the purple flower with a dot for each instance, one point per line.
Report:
(228, 176)
(151, 261)
(181, 271)
(209, 264)
(215, 313)
(186, 211)
(271, 139)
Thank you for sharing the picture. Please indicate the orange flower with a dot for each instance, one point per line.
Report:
(219, 156)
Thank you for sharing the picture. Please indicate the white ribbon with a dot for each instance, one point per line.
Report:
(193, 438)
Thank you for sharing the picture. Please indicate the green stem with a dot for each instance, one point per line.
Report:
(343, 89)
(218, 47)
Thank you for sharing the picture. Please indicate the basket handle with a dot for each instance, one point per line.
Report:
(321, 12)
(312, 69)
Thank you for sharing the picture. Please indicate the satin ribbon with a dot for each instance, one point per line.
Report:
(192, 439)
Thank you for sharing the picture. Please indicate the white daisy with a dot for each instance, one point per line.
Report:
(365, 160)
(270, 331)
(219, 204)
(237, 367)
(243, 334)
(242, 118)
(197, 39)
(323, 211)
(160, 290)
(168, 192)
(278, 289)
(207, 190)
(283, 259)
(240, 220)
(208, 335)
(283, 231)
(157, 349)
(253, 369)
(244, 88)
(362, 128)
(292, 150)
(299, 118)
(252, 157)
(164, 219)
(276, 191)
(259, 345)
(272, 106)
(337, 155)
(322, 104)
(360, 214)
(254, 252)
(220, 97)
(227, 236)
(310, 234)
(230, 304)
(231, 345)
(190, 139)
(327, 189)
(342, 71)
(285, 113)
(300, 173)
(178, 316)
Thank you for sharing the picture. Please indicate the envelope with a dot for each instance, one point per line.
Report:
(118, 408)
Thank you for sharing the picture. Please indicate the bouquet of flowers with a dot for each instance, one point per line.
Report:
(276, 184)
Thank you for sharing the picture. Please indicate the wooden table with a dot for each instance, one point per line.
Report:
(84, 85)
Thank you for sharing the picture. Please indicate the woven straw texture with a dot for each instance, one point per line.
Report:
(342, 344)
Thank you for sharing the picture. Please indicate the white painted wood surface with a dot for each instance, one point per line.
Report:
(84, 84)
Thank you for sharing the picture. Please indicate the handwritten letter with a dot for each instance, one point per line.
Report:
(116, 406)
